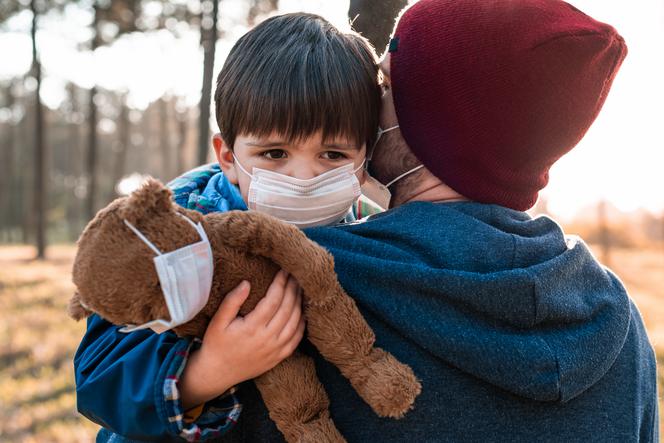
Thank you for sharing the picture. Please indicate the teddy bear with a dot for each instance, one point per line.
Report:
(115, 277)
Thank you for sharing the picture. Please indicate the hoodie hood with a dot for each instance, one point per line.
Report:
(499, 295)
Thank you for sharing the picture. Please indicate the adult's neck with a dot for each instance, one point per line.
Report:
(427, 189)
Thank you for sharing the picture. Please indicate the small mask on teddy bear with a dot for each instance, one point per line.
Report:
(116, 277)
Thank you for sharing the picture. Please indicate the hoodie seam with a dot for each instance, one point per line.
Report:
(513, 260)
(554, 357)
(558, 375)
(559, 385)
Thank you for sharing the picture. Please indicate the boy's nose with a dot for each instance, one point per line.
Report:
(303, 172)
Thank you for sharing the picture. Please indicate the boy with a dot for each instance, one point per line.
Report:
(297, 103)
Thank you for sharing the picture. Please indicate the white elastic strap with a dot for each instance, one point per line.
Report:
(378, 136)
(197, 226)
(142, 237)
(86, 307)
(359, 167)
(383, 131)
(158, 326)
(241, 167)
(403, 175)
(191, 222)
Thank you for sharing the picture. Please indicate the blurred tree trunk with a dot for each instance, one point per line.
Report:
(209, 43)
(73, 209)
(7, 151)
(40, 156)
(165, 140)
(375, 20)
(25, 182)
(146, 147)
(7, 219)
(120, 160)
(182, 119)
(91, 172)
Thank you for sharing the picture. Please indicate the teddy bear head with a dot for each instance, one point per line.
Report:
(114, 270)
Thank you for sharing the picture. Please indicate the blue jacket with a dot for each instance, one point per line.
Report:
(127, 382)
(515, 331)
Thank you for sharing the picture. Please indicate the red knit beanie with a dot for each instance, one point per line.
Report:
(490, 93)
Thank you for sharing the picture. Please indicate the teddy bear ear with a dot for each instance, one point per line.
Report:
(75, 308)
(152, 197)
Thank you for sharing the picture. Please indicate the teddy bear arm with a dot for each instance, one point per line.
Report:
(334, 324)
(297, 402)
(344, 338)
(258, 234)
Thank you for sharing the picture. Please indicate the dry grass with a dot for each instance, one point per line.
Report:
(38, 340)
(37, 345)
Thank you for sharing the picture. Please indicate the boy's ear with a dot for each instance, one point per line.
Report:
(225, 158)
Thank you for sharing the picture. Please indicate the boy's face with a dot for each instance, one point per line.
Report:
(302, 159)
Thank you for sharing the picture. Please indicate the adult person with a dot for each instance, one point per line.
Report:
(515, 330)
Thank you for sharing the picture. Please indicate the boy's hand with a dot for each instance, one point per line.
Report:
(236, 349)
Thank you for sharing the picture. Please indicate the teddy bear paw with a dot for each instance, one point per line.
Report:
(391, 387)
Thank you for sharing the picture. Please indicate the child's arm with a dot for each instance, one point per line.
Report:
(129, 383)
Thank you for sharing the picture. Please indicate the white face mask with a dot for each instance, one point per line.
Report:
(185, 276)
(375, 190)
(317, 201)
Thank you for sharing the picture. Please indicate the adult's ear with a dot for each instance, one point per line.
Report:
(151, 198)
(75, 309)
(225, 158)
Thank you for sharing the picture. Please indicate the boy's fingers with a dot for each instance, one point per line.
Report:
(285, 310)
(230, 306)
(292, 321)
(268, 306)
(295, 340)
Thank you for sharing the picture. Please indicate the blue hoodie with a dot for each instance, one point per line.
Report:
(516, 332)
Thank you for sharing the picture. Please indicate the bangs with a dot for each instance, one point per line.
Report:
(296, 75)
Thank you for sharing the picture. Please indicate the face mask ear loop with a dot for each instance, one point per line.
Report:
(383, 131)
(241, 167)
(403, 175)
(380, 133)
(370, 154)
(190, 221)
(198, 227)
(142, 237)
(360, 167)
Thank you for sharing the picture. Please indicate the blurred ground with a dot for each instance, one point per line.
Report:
(37, 345)
(38, 340)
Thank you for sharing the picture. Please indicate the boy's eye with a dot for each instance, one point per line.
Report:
(274, 154)
(334, 155)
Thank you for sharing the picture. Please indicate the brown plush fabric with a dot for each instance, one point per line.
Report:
(115, 277)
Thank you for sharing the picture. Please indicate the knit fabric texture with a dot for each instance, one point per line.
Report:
(490, 93)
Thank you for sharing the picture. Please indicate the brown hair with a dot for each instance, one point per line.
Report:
(296, 74)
